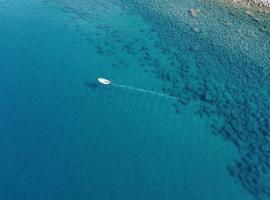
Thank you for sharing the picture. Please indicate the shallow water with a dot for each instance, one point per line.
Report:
(64, 136)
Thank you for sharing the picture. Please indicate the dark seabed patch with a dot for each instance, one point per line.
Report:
(232, 82)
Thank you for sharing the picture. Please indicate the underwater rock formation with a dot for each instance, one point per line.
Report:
(227, 73)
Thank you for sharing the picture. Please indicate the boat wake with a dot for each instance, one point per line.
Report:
(145, 91)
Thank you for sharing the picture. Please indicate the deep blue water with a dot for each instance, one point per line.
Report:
(63, 136)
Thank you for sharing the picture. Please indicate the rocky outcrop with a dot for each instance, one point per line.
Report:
(265, 3)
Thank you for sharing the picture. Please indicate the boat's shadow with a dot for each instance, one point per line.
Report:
(92, 86)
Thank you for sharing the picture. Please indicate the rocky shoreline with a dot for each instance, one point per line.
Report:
(265, 3)
(261, 5)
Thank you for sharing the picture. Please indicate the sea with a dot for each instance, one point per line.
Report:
(186, 116)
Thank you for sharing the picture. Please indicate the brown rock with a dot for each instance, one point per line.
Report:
(193, 12)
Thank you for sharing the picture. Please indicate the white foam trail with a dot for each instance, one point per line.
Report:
(145, 91)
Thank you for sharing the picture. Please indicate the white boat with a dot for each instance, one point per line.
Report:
(104, 81)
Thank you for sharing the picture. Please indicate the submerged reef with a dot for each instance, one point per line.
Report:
(222, 60)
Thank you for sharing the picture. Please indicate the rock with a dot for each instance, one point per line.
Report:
(228, 24)
(232, 13)
(252, 16)
(194, 12)
(195, 47)
(195, 29)
(192, 86)
(263, 29)
(248, 13)
(207, 97)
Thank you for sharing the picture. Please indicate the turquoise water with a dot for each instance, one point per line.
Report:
(63, 136)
